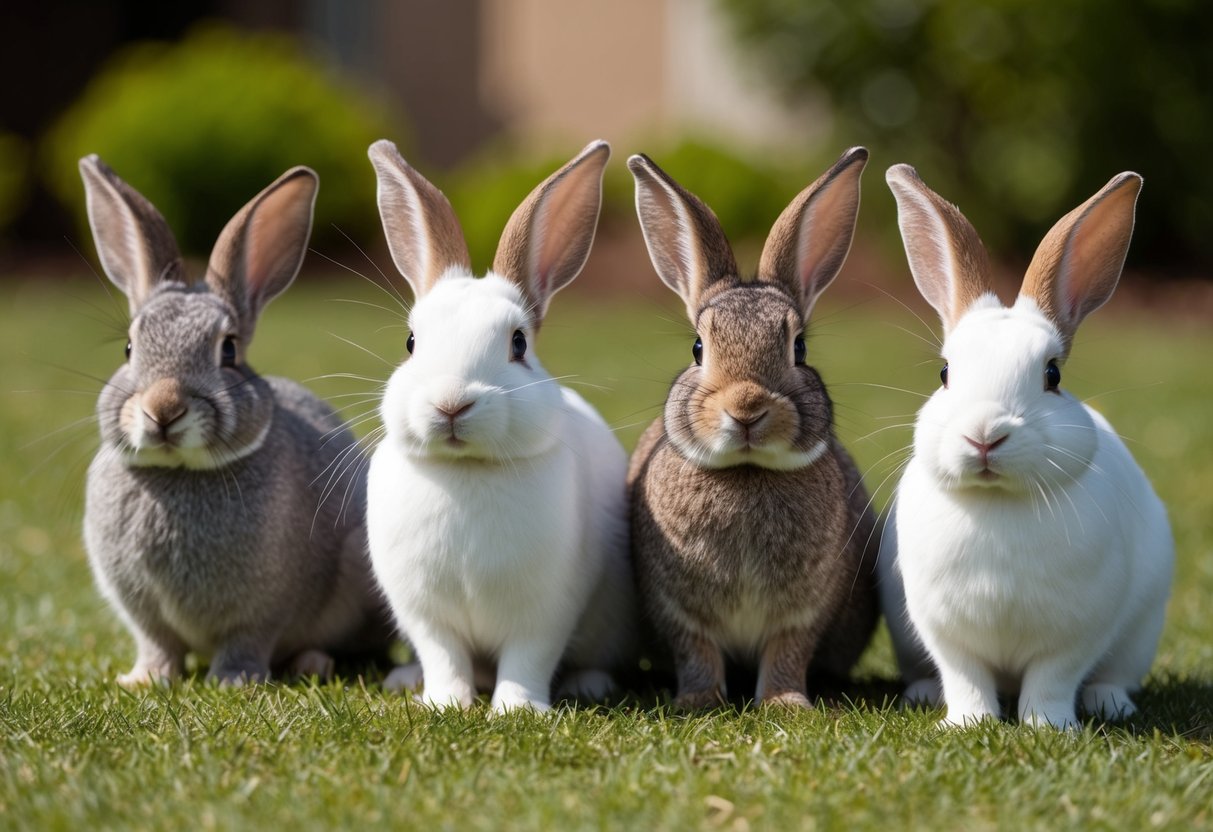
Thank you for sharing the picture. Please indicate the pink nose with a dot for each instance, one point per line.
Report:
(984, 448)
(749, 421)
(454, 411)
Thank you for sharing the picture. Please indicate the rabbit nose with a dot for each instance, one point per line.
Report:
(164, 402)
(454, 411)
(749, 420)
(984, 448)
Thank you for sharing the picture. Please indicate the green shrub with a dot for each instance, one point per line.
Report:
(1018, 111)
(201, 126)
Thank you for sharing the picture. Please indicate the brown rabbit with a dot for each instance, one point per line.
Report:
(751, 528)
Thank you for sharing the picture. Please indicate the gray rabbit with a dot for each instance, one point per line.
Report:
(751, 528)
(221, 514)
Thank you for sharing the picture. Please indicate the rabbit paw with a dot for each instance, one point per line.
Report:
(586, 685)
(1107, 701)
(699, 700)
(312, 663)
(923, 693)
(142, 677)
(791, 699)
(405, 677)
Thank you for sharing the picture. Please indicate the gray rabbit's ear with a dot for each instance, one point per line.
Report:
(547, 240)
(809, 242)
(686, 243)
(422, 230)
(947, 259)
(261, 249)
(136, 247)
(1078, 263)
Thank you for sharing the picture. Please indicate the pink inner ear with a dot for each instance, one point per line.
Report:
(276, 239)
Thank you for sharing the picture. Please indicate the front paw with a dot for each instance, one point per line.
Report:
(923, 693)
(699, 700)
(405, 677)
(143, 677)
(959, 719)
(788, 699)
(312, 663)
(586, 685)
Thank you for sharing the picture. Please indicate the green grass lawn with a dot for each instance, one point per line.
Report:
(76, 752)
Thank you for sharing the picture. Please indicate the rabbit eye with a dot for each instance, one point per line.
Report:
(410, 344)
(128, 350)
(1052, 377)
(697, 350)
(943, 375)
(519, 345)
(798, 349)
(227, 352)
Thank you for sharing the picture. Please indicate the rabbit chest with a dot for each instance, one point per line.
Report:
(742, 552)
(477, 547)
(989, 575)
(201, 551)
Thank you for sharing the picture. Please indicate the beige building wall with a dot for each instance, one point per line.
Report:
(561, 71)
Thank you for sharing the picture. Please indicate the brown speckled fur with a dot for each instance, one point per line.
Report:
(708, 539)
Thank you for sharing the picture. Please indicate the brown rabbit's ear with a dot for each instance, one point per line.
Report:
(260, 250)
(685, 241)
(809, 242)
(947, 258)
(422, 230)
(1078, 263)
(547, 240)
(136, 247)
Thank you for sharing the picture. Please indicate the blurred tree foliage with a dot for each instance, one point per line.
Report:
(1016, 110)
(200, 126)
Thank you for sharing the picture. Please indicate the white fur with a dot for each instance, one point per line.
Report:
(1049, 570)
(510, 544)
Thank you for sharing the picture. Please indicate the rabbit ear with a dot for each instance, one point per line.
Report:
(548, 238)
(1078, 264)
(948, 261)
(422, 230)
(136, 247)
(686, 243)
(260, 250)
(809, 242)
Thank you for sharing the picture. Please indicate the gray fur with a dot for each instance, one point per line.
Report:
(250, 549)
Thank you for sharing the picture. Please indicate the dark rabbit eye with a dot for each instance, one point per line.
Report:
(227, 352)
(519, 345)
(410, 344)
(128, 350)
(1052, 376)
(798, 349)
(697, 350)
(943, 375)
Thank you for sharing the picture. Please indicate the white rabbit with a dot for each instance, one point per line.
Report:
(1036, 557)
(497, 512)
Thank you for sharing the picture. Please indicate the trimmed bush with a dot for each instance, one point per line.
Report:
(201, 126)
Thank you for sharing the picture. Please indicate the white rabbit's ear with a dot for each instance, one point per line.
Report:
(686, 243)
(947, 258)
(136, 247)
(422, 231)
(809, 242)
(547, 240)
(261, 248)
(1078, 263)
